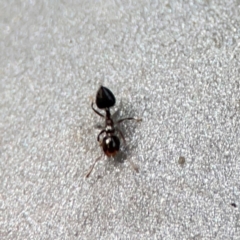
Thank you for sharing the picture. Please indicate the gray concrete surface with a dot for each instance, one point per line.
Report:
(173, 63)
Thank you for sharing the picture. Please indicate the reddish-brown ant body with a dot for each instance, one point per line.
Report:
(110, 143)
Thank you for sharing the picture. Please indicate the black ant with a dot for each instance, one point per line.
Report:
(110, 143)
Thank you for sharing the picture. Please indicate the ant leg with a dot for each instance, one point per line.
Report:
(98, 113)
(90, 170)
(130, 118)
(134, 166)
(98, 137)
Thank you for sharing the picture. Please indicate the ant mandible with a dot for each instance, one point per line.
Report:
(110, 143)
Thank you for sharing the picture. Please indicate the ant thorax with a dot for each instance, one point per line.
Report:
(110, 129)
(109, 126)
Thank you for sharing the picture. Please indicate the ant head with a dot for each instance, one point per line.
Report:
(110, 145)
(105, 98)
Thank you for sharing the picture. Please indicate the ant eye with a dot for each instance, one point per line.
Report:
(105, 98)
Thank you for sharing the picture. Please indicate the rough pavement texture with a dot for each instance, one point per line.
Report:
(173, 63)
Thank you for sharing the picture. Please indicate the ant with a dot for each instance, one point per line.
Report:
(110, 143)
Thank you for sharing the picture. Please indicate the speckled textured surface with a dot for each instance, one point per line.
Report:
(173, 63)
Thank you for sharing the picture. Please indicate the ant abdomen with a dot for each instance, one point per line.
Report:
(111, 145)
(105, 98)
